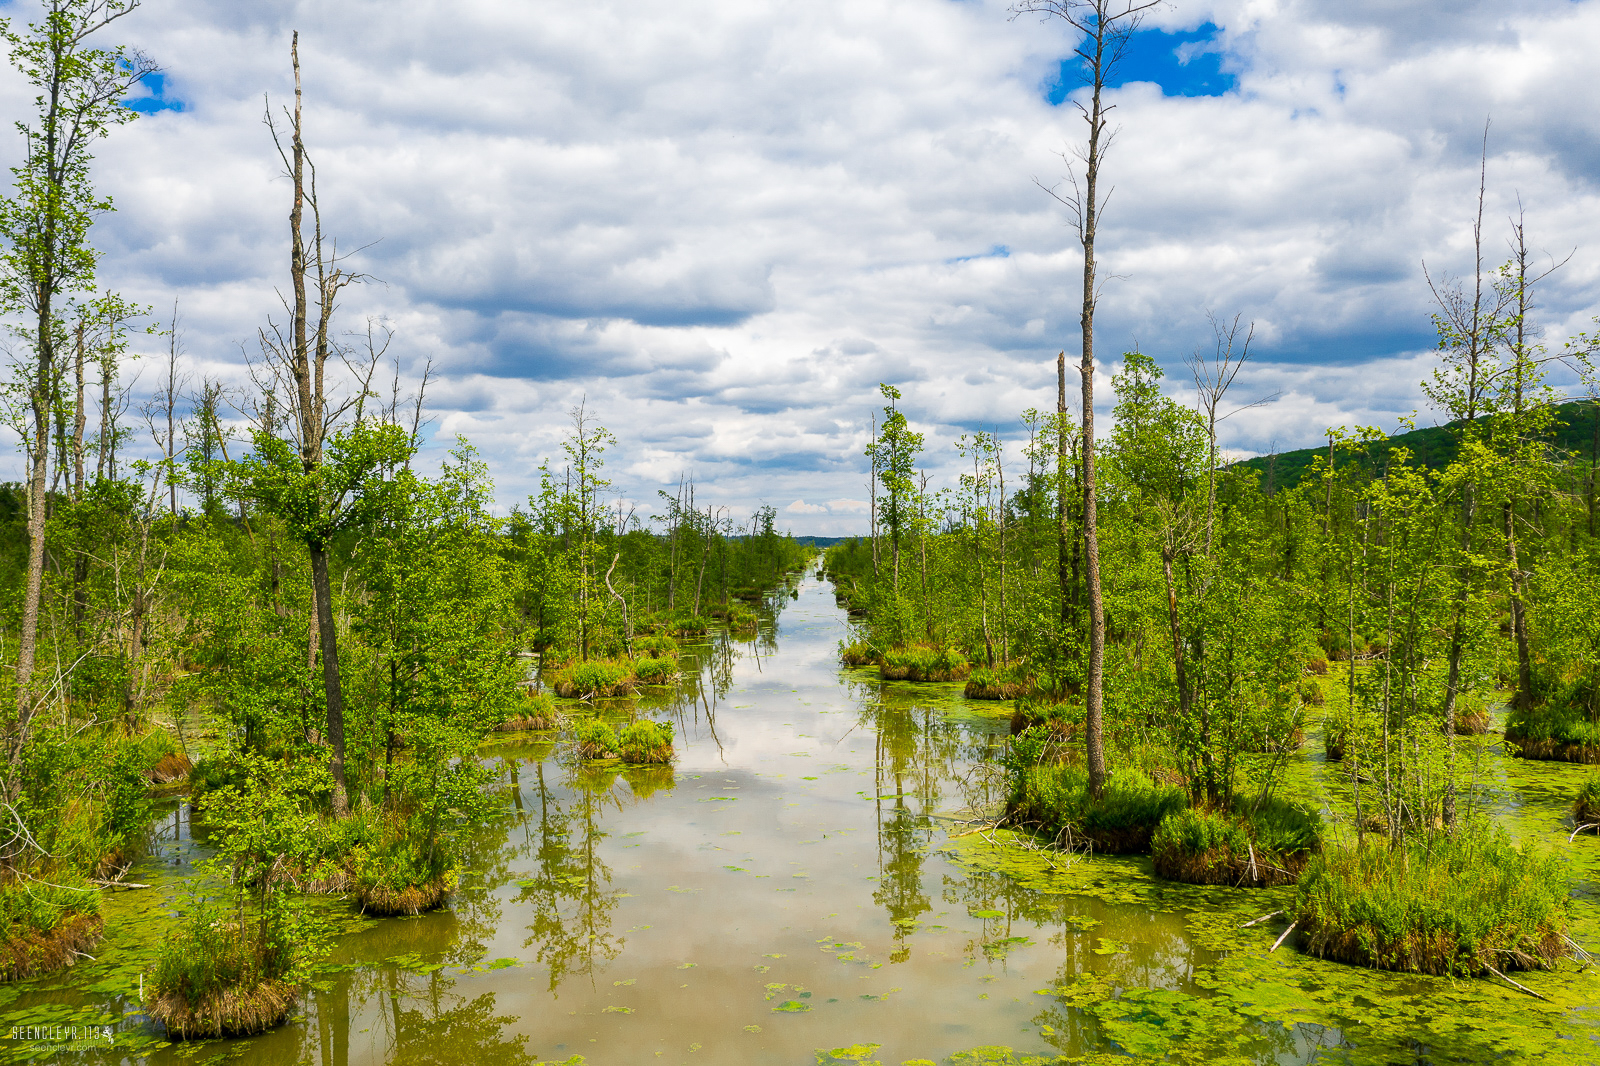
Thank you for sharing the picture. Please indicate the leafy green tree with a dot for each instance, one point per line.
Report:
(45, 226)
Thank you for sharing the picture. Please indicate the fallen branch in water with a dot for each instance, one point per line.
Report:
(1512, 983)
(118, 884)
(1282, 938)
(1258, 921)
(1581, 828)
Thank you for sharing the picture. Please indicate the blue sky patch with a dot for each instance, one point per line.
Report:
(1186, 63)
(151, 96)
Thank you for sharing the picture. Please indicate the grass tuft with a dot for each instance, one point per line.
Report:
(922, 663)
(1260, 848)
(1443, 905)
(538, 711)
(597, 677)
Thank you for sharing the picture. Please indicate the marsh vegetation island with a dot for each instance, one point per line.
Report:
(1095, 742)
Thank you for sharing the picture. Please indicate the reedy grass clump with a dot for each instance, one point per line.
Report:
(655, 645)
(215, 976)
(1443, 905)
(597, 677)
(537, 711)
(1586, 807)
(655, 671)
(922, 663)
(859, 653)
(1560, 731)
(44, 928)
(1266, 846)
(1054, 801)
(596, 740)
(1007, 682)
(646, 743)
(1058, 720)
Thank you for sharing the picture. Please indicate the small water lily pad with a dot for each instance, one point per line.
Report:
(791, 1006)
(614, 1009)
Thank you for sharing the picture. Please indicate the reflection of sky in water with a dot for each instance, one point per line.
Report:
(771, 895)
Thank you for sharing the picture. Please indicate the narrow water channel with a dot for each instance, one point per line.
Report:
(795, 890)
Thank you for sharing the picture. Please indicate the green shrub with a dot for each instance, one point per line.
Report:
(596, 740)
(655, 671)
(217, 770)
(1444, 905)
(646, 742)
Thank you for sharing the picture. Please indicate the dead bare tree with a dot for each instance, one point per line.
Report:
(1213, 376)
(301, 355)
(1105, 27)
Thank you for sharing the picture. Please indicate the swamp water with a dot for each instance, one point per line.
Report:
(799, 889)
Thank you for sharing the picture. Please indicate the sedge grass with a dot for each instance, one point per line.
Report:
(1447, 904)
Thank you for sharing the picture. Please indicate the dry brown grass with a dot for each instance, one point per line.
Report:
(1474, 722)
(171, 768)
(227, 1013)
(31, 953)
(996, 690)
(413, 899)
(522, 722)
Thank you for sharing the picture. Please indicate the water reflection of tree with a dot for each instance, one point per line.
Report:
(569, 891)
(916, 752)
(421, 1020)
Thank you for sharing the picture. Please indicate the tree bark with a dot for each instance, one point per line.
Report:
(330, 675)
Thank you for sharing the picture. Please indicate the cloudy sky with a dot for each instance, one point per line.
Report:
(722, 223)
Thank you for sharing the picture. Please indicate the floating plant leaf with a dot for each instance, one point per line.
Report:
(791, 1006)
(614, 1009)
(988, 914)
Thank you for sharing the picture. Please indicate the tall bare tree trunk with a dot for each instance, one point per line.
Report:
(308, 370)
(80, 557)
(1065, 579)
(1105, 26)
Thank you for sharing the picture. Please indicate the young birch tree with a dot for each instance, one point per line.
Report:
(45, 227)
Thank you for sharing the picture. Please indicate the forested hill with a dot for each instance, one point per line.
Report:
(1433, 446)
